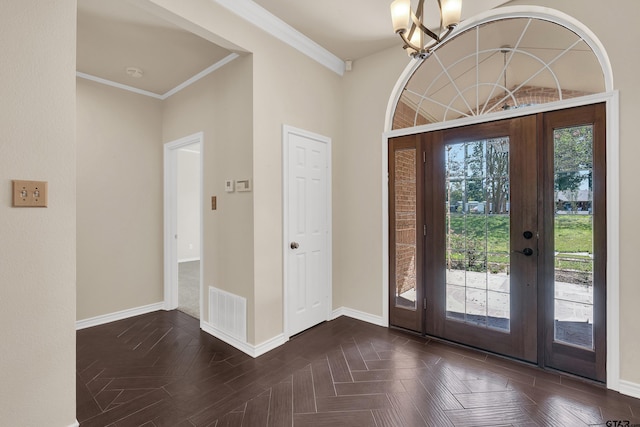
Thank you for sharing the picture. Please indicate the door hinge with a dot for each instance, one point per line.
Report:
(424, 304)
(424, 229)
(424, 157)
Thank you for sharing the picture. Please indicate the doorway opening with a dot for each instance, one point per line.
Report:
(183, 225)
(498, 237)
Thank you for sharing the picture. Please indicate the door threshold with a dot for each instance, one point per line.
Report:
(487, 354)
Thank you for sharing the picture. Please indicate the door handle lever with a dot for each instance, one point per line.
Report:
(525, 251)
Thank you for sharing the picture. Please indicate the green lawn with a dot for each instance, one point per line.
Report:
(474, 235)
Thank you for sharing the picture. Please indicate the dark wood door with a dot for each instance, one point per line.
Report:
(482, 231)
(406, 236)
(498, 237)
(573, 264)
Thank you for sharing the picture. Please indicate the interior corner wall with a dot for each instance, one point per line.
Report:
(37, 245)
(119, 212)
(220, 106)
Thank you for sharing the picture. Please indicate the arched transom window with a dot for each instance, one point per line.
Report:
(499, 65)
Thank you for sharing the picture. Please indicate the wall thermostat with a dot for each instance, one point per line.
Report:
(243, 184)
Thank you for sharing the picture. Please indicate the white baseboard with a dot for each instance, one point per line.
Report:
(188, 260)
(629, 388)
(124, 314)
(360, 315)
(76, 424)
(251, 350)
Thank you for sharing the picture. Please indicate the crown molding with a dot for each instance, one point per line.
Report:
(263, 19)
(117, 85)
(224, 61)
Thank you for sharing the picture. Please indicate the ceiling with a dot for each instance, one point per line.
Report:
(352, 29)
(116, 34)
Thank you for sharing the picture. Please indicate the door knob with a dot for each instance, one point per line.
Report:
(525, 252)
(294, 245)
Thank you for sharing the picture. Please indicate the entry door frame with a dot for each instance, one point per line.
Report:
(171, 218)
(611, 100)
(287, 132)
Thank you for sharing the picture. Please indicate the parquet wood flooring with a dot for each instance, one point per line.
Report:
(159, 370)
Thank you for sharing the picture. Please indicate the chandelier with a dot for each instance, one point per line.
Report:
(419, 41)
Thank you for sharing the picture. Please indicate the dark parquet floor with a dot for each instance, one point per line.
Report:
(159, 369)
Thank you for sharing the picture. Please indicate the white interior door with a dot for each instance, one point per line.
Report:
(307, 229)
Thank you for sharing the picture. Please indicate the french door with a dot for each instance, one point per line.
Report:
(497, 237)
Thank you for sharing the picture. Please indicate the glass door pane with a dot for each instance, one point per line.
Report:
(405, 229)
(573, 235)
(477, 232)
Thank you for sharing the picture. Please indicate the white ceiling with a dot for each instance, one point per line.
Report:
(352, 29)
(116, 34)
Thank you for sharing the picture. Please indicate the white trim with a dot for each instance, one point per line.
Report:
(501, 115)
(613, 241)
(360, 315)
(263, 19)
(170, 218)
(119, 315)
(188, 260)
(385, 228)
(630, 389)
(286, 131)
(76, 424)
(224, 61)
(251, 350)
(117, 85)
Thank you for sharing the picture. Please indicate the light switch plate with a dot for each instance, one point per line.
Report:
(228, 186)
(30, 194)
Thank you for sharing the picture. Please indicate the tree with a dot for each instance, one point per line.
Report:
(489, 162)
(573, 161)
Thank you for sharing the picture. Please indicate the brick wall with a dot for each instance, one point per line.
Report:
(405, 114)
(405, 219)
(534, 95)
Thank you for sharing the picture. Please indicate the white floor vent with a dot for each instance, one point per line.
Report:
(228, 313)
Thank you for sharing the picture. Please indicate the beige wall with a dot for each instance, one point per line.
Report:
(37, 245)
(220, 106)
(357, 210)
(119, 214)
(288, 88)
